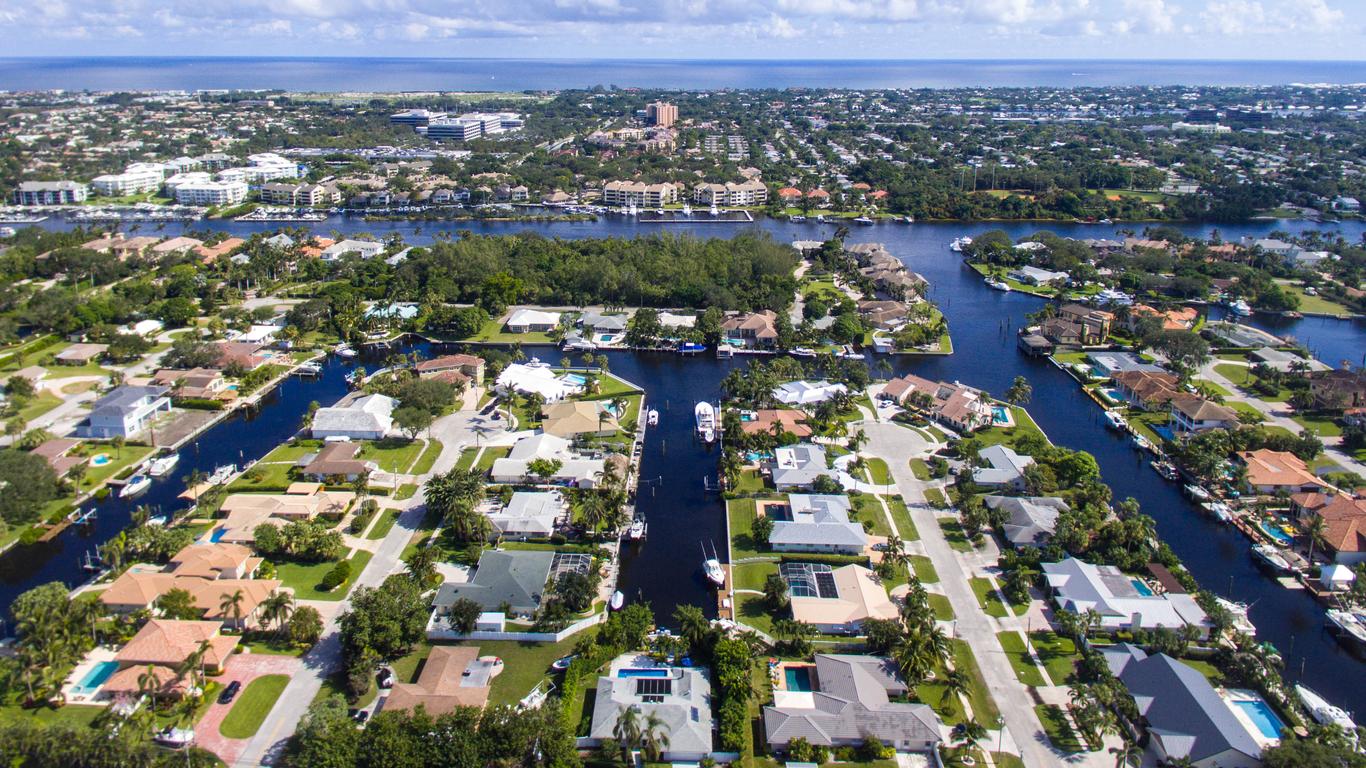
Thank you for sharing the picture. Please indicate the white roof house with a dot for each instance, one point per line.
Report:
(798, 466)
(529, 514)
(670, 320)
(527, 320)
(1005, 467)
(805, 392)
(539, 378)
(818, 523)
(574, 469)
(365, 418)
(366, 249)
(1122, 601)
(679, 696)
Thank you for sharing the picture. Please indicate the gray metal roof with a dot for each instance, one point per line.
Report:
(852, 702)
(818, 519)
(127, 398)
(515, 577)
(685, 710)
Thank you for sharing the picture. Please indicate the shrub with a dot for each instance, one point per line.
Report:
(360, 521)
(337, 576)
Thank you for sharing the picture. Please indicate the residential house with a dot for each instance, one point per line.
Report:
(453, 676)
(1270, 472)
(176, 246)
(678, 697)
(528, 514)
(1182, 319)
(471, 367)
(365, 249)
(526, 320)
(1344, 517)
(574, 469)
(786, 420)
(884, 315)
(1149, 390)
(208, 254)
(957, 405)
(240, 354)
(798, 466)
(807, 392)
(369, 417)
(1004, 468)
(851, 699)
(243, 512)
(538, 378)
(80, 354)
(573, 418)
(1192, 413)
(1122, 602)
(125, 412)
(1185, 717)
(336, 460)
(514, 580)
(1030, 520)
(1066, 333)
(1096, 321)
(1338, 390)
(1030, 275)
(835, 600)
(55, 453)
(814, 523)
(162, 647)
(194, 384)
(751, 329)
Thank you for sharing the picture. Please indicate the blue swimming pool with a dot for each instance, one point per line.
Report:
(1259, 712)
(1280, 536)
(217, 535)
(798, 678)
(575, 379)
(1142, 588)
(631, 672)
(96, 677)
(1000, 413)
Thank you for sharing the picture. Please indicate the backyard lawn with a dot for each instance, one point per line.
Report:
(38, 405)
(391, 454)
(867, 508)
(252, 706)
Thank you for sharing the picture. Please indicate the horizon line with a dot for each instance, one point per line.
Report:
(786, 60)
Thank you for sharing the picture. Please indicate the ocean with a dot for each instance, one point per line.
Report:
(396, 75)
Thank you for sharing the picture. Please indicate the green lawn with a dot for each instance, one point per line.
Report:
(303, 578)
(936, 499)
(1315, 304)
(1323, 426)
(924, 569)
(954, 534)
(1058, 655)
(405, 492)
(1057, 727)
(493, 332)
(752, 610)
(524, 665)
(381, 527)
(428, 458)
(983, 706)
(466, 459)
(1017, 653)
(751, 481)
(263, 477)
(920, 469)
(392, 454)
(878, 469)
(902, 517)
(742, 544)
(75, 715)
(38, 405)
(1010, 436)
(990, 599)
(1006, 760)
(753, 575)
(1247, 413)
(867, 508)
(292, 451)
(252, 706)
(491, 455)
(1207, 669)
(943, 611)
(1242, 377)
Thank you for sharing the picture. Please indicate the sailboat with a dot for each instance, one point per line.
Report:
(1323, 711)
(711, 566)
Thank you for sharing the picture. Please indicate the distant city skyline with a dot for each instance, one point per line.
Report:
(698, 29)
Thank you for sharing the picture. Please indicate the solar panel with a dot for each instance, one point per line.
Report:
(654, 686)
(825, 584)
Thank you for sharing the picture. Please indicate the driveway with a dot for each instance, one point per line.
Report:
(243, 668)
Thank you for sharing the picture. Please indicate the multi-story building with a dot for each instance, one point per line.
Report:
(135, 180)
(639, 194)
(415, 117)
(661, 113)
(209, 192)
(50, 193)
(752, 192)
(299, 195)
(472, 125)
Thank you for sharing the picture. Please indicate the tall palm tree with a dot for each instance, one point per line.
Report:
(276, 610)
(1127, 754)
(956, 685)
(1314, 530)
(231, 604)
(627, 731)
(654, 737)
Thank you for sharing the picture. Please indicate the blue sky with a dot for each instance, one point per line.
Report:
(803, 29)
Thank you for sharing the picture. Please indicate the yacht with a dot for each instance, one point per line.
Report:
(1271, 557)
(1114, 421)
(637, 530)
(958, 245)
(652, 417)
(863, 220)
(711, 566)
(1196, 492)
(997, 285)
(162, 466)
(1111, 296)
(797, 218)
(631, 210)
(802, 352)
(344, 350)
(221, 474)
(1238, 611)
(135, 485)
(617, 601)
(1240, 308)
(1349, 625)
(1220, 510)
(1142, 442)
(1323, 711)
(706, 420)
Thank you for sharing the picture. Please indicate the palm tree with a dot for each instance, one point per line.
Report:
(654, 737)
(692, 624)
(1128, 754)
(276, 610)
(1314, 530)
(972, 731)
(956, 685)
(627, 731)
(231, 604)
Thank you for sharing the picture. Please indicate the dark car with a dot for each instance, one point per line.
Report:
(230, 692)
(385, 678)
(362, 716)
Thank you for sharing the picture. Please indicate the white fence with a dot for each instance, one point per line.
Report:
(438, 628)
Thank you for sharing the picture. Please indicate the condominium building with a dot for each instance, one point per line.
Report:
(661, 113)
(751, 192)
(50, 193)
(639, 194)
(135, 180)
(299, 195)
(209, 192)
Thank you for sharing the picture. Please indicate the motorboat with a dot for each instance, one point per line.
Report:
(687, 210)
(222, 474)
(797, 218)
(997, 285)
(714, 211)
(705, 415)
(1238, 612)
(135, 485)
(1271, 557)
(1349, 625)
(174, 737)
(1166, 469)
(1142, 442)
(711, 566)
(848, 352)
(637, 530)
(344, 351)
(691, 348)
(159, 521)
(1240, 308)
(959, 244)
(1196, 492)
(1220, 510)
(162, 466)
(308, 369)
(1114, 421)
(652, 417)
(1323, 711)
(862, 220)
(909, 220)
(802, 352)
(617, 601)
(563, 662)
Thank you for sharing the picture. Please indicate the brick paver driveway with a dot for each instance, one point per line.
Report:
(244, 668)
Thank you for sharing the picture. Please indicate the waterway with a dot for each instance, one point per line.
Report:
(665, 570)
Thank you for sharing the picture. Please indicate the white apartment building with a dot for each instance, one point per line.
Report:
(209, 192)
(639, 194)
(752, 192)
(472, 125)
(135, 180)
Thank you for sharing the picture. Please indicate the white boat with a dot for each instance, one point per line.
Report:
(344, 350)
(174, 737)
(1323, 711)
(158, 520)
(848, 352)
(652, 417)
(802, 352)
(711, 566)
(617, 601)
(563, 662)
(1240, 308)
(863, 220)
(1238, 611)
(637, 530)
(1142, 442)
(958, 245)
(797, 218)
(997, 285)
(162, 466)
(1271, 557)
(1220, 510)
(1196, 492)
(687, 210)
(631, 210)
(1166, 469)
(1114, 421)
(909, 219)
(221, 474)
(713, 210)
(709, 435)
(309, 369)
(135, 485)
(706, 420)
(1349, 624)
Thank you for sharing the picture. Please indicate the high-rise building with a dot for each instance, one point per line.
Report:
(661, 113)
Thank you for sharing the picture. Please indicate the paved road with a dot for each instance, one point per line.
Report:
(897, 445)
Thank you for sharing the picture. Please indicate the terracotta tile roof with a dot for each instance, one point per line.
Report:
(1268, 468)
(128, 680)
(446, 362)
(168, 642)
(137, 589)
(212, 561)
(793, 421)
(1345, 524)
(442, 686)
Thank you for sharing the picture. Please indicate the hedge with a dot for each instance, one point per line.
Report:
(337, 576)
(802, 557)
(200, 403)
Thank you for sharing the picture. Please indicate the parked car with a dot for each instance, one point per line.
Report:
(385, 678)
(230, 692)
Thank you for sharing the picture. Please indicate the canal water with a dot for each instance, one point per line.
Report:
(682, 515)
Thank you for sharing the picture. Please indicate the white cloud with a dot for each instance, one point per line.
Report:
(1234, 17)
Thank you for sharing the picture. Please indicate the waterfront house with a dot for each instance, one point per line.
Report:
(1338, 390)
(137, 590)
(807, 392)
(176, 246)
(526, 320)
(125, 412)
(336, 460)
(511, 579)
(208, 254)
(1182, 319)
(453, 676)
(365, 249)
(679, 697)
(528, 514)
(1096, 321)
(1192, 413)
(758, 330)
(1122, 602)
(835, 600)
(1105, 365)
(957, 405)
(539, 378)
(241, 354)
(369, 417)
(1149, 390)
(1066, 333)
(1004, 468)
(884, 315)
(764, 421)
(164, 645)
(1270, 472)
(573, 470)
(849, 700)
(1030, 520)
(1036, 276)
(56, 453)
(798, 466)
(194, 384)
(1284, 361)
(573, 418)
(471, 367)
(1344, 517)
(1184, 716)
(243, 512)
(814, 523)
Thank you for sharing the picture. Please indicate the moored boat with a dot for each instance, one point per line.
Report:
(652, 417)
(135, 485)
(706, 420)
(1349, 626)
(1238, 612)
(221, 474)
(637, 530)
(1114, 421)
(711, 566)
(1271, 557)
(1323, 711)
(1196, 492)
(617, 601)
(1220, 510)
(1166, 469)
(163, 465)
(1240, 308)
(863, 220)
(997, 285)
(802, 352)
(959, 244)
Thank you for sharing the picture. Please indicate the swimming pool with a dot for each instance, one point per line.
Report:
(100, 459)
(1280, 536)
(217, 535)
(1259, 712)
(631, 672)
(1000, 413)
(798, 678)
(575, 379)
(97, 676)
(1141, 587)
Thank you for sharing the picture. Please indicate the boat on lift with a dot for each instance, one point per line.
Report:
(711, 566)
(797, 219)
(162, 466)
